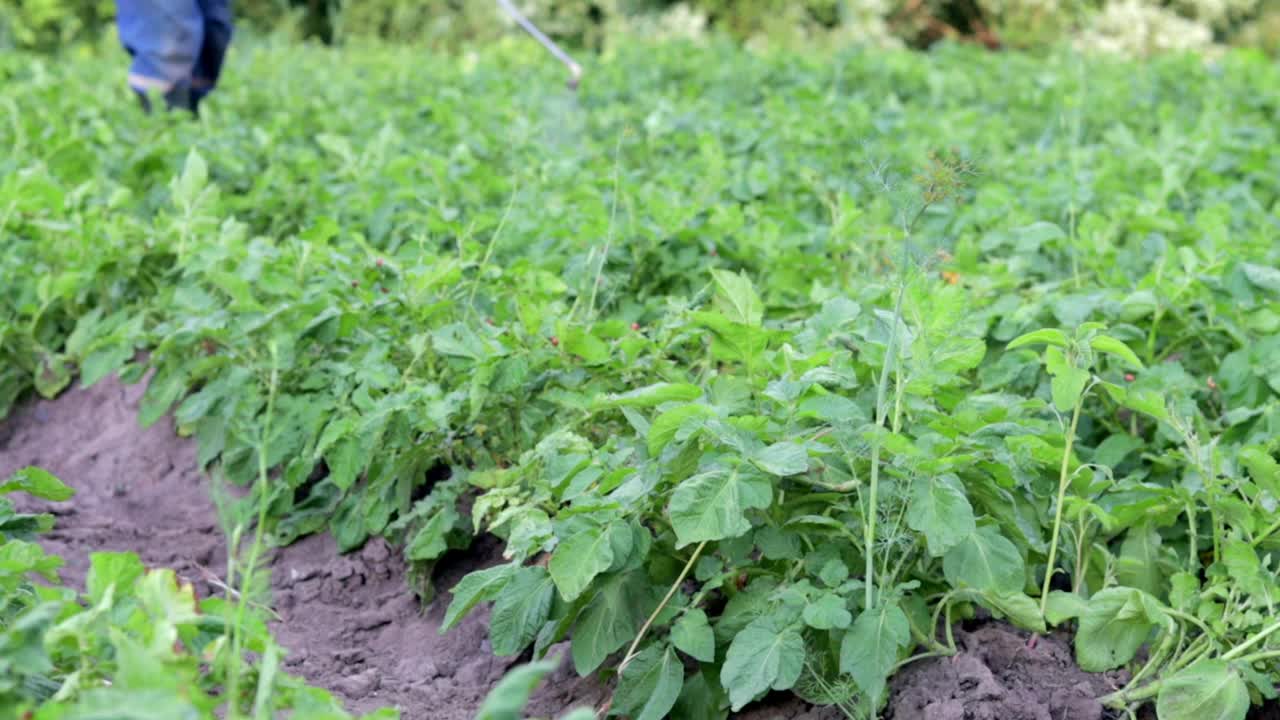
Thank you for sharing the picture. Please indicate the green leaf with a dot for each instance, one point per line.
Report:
(649, 685)
(194, 178)
(121, 569)
(1046, 336)
(782, 459)
(580, 342)
(520, 610)
(1063, 606)
(767, 654)
(1264, 277)
(1262, 468)
(578, 560)
(871, 647)
(1139, 562)
(1019, 608)
(713, 505)
(987, 561)
(608, 622)
(737, 299)
(1146, 401)
(1111, 346)
(651, 395)
(941, 511)
(833, 572)
(508, 698)
(827, 612)
(37, 483)
(1116, 623)
(432, 539)
(692, 635)
(1068, 385)
(1206, 690)
(664, 427)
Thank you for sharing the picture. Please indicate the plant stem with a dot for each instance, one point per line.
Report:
(488, 251)
(1063, 482)
(255, 550)
(1266, 533)
(631, 651)
(1257, 638)
(613, 213)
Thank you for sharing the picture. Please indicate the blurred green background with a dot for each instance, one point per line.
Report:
(1131, 27)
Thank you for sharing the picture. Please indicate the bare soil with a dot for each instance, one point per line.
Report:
(351, 624)
(1000, 675)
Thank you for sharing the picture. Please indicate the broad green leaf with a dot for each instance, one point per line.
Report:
(37, 483)
(871, 647)
(1019, 608)
(1262, 468)
(578, 560)
(737, 299)
(609, 620)
(1139, 562)
(1068, 385)
(1264, 277)
(1206, 690)
(767, 654)
(692, 635)
(508, 698)
(649, 685)
(833, 572)
(121, 569)
(713, 505)
(1146, 401)
(940, 510)
(580, 342)
(827, 612)
(665, 426)
(1243, 567)
(1111, 346)
(782, 459)
(1113, 627)
(651, 395)
(1063, 606)
(520, 610)
(987, 561)
(1047, 336)
(18, 557)
(432, 539)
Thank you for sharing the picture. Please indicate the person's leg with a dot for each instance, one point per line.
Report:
(217, 38)
(164, 38)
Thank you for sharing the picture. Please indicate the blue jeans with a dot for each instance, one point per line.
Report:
(177, 45)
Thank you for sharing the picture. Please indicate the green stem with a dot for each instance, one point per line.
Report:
(1267, 533)
(1063, 482)
(631, 651)
(255, 550)
(1257, 638)
(1256, 657)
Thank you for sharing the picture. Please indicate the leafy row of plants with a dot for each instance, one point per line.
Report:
(749, 410)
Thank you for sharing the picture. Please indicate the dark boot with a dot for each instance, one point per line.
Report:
(181, 97)
(143, 100)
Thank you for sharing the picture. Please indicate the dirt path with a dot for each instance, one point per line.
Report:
(351, 624)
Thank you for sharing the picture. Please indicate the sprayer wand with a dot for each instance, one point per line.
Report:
(575, 70)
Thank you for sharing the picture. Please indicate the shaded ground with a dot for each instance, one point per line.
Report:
(998, 675)
(351, 624)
